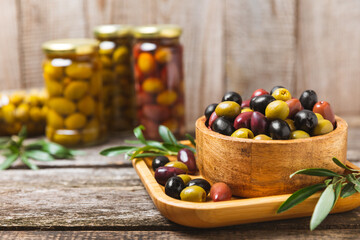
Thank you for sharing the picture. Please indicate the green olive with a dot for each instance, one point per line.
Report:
(282, 94)
(243, 133)
(277, 109)
(297, 134)
(177, 165)
(262, 137)
(228, 109)
(323, 127)
(193, 194)
(319, 116)
(291, 124)
(185, 178)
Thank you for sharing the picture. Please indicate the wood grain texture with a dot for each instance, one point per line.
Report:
(10, 57)
(42, 21)
(328, 52)
(260, 43)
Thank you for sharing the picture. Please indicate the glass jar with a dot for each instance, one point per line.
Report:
(159, 80)
(72, 77)
(117, 74)
(23, 108)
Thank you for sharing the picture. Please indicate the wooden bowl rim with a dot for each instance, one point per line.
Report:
(341, 126)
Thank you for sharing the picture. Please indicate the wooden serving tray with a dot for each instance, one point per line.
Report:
(236, 211)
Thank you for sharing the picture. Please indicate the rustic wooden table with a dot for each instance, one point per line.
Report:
(100, 197)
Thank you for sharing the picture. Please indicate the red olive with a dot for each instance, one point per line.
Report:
(243, 120)
(212, 118)
(162, 174)
(294, 107)
(245, 103)
(220, 192)
(325, 110)
(187, 157)
(259, 123)
(259, 92)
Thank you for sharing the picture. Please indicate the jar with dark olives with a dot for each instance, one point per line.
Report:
(159, 79)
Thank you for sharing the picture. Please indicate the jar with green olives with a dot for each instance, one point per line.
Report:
(23, 108)
(72, 75)
(159, 80)
(117, 74)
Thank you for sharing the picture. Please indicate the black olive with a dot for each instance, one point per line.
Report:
(223, 126)
(279, 130)
(159, 161)
(308, 99)
(305, 120)
(209, 110)
(260, 103)
(274, 88)
(201, 183)
(232, 96)
(174, 186)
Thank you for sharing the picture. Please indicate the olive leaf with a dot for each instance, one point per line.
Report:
(114, 151)
(321, 172)
(8, 161)
(348, 190)
(340, 164)
(39, 155)
(26, 161)
(191, 139)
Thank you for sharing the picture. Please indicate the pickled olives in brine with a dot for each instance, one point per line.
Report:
(308, 99)
(174, 186)
(298, 134)
(223, 126)
(277, 109)
(201, 183)
(279, 130)
(259, 123)
(294, 107)
(232, 96)
(324, 126)
(243, 133)
(228, 109)
(260, 103)
(220, 192)
(281, 94)
(159, 161)
(305, 120)
(162, 174)
(243, 120)
(187, 157)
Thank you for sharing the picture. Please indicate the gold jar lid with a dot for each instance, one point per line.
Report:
(78, 46)
(157, 31)
(113, 31)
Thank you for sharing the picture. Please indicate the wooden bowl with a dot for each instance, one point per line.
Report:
(256, 168)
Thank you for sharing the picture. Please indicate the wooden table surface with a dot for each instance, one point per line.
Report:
(100, 197)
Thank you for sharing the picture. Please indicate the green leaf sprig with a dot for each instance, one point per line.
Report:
(150, 148)
(335, 186)
(13, 148)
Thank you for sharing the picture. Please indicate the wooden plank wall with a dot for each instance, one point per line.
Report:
(236, 45)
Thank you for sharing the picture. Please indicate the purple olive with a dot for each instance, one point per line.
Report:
(187, 157)
(162, 174)
(259, 123)
(243, 120)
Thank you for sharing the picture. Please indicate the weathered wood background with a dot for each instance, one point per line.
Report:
(233, 44)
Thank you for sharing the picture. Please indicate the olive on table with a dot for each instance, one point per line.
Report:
(308, 99)
(193, 194)
(260, 103)
(262, 137)
(174, 186)
(243, 120)
(277, 109)
(294, 107)
(274, 88)
(245, 103)
(243, 133)
(279, 130)
(298, 134)
(186, 178)
(259, 123)
(281, 94)
(324, 126)
(232, 96)
(159, 161)
(223, 126)
(325, 110)
(180, 165)
(228, 109)
(187, 157)
(305, 120)
(259, 92)
(209, 110)
(162, 174)
(220, 192)
(201, 183)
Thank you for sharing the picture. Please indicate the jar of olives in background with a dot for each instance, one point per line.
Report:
(159, 80)
(72, 74)
(23, 108)
(117, 74)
